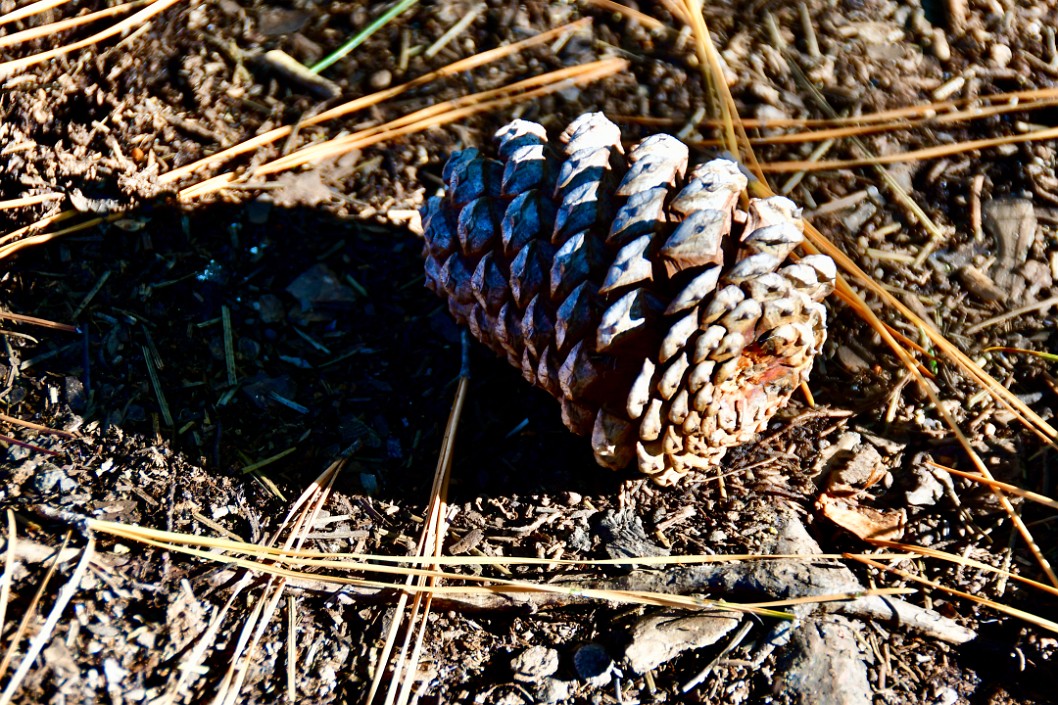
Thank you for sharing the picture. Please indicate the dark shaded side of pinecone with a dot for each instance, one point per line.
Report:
(658, 313)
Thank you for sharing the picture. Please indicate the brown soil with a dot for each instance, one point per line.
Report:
(340, 352)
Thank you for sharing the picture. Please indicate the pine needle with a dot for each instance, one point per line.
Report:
(34, 8)
(52, 28)
(41, 638)
(362, 36)
(156, 7)
(816, 242)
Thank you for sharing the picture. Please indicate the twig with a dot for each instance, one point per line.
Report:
(34, 321)
(156, 384)
(36, 426)
(1013, 313)
(454, 31)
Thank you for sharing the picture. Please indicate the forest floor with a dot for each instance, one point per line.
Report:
(311, 284)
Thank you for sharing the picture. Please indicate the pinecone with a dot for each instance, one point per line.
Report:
(655, 310)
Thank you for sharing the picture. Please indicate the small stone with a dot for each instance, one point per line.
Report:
(661, 637)
(535, 663)
(258, 210)
(945, 696)
(1000, 55)
(594, 665)
(74, 394)
(270, 308)
(927, 489)
(381, 79)
(823, 665)
(552, 690)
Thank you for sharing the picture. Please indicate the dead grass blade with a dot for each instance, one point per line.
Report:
(367, 101)
(1003, 486)
(34, 8)
(817, 242)
(19, 239)
(41, 638)
(270, 560)
(156, 7)
(9, 569)
(191, 665)
(300, 520)
(175, 541)
(440, 114)
(47, 30)
(494, 586)
(30, 235)
(914, 155)
(940, 111)
(26, 201)
(963, 561)
(997, 606)
(430, 543)
(41, 322)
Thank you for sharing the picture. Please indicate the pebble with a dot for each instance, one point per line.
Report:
(946, 696)
(662, 636)
(594, 665)
(927, 489)
(258, 210)
(381, 79)
(552, 690)
(941, 49)
(1001, 55)
(535, 663)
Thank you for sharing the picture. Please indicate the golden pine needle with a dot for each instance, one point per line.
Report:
(156, 7)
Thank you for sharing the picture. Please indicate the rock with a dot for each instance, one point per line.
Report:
(552, 690)
(1012, 224)
(858, 468)
(823, 664)
(278, 22)
(74, 393)
(320, 294)
(535, 663)
(657, 638)
(51, 479)
(945, 696)
(381, 79)
(927, 489)
(594, 665)
(259, 209)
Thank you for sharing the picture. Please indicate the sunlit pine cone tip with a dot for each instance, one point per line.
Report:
(665, 320)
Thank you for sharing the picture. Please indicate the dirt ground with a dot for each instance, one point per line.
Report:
(316, 292)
